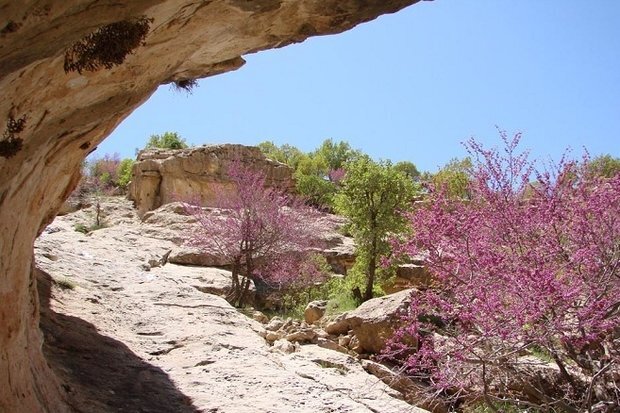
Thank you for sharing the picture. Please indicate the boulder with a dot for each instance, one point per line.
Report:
(330, 345)
(339, 325)
(314, 311)
(413, 392)
(260, 317)
(283, 346)
(411, 275)
(272, 336)
(373, 322)
(274, 324)
(305, 335)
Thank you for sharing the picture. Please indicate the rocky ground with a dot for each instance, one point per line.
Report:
(128, 330)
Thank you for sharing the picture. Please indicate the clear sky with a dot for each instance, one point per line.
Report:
(414, 85)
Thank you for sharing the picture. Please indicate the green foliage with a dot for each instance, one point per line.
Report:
(286, 154)
(81, 228)
(604, 165)
(313, 170)
(408, 169)
(124, 172)
(502, 407)
(336, 291)
(169, 140)
(335, 155)
(341, 302)
(541, 353)
(65, 283)
(357, 277)
(454, 178)
(373, 197)
(85, 229)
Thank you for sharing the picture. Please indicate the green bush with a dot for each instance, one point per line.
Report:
(124, 172)
(169, 140)
(65, 283)
(81, 228)
(337, 292)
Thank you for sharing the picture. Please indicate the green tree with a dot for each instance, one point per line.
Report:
(286, 153)
(373, 196)
(169, 140)
(408, 169)
(336, 155)
(311, 181)
(123, 172)
(454, 178)
(604, 165)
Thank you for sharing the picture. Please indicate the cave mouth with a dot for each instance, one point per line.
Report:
(67, 113)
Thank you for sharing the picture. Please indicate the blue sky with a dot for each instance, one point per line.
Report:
(414, 85)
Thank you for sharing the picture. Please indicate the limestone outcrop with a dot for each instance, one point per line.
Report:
(123, 338)
(68, 77)
(198, 174)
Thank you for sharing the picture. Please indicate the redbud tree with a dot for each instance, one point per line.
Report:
(525, 308)
(265, 234)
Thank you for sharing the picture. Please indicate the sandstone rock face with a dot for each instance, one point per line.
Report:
(197, 174)
(125, 339)
(373, 322)
(53, 119)
(411, 275)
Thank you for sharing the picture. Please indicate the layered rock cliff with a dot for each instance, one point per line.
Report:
(198, 174)
(70, 71)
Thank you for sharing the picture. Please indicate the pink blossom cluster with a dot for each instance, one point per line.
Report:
(520, 268)
(265, 234)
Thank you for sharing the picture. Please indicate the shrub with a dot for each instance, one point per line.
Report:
(65, 283)
(518, 274)
(123, 172)
(185, 85)
(169, 140)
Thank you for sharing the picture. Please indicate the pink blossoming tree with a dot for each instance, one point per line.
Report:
(266, 235)
(526, 304)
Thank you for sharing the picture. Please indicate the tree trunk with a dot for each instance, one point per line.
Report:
(235, 288)
(370, 280)
(372, 268)
(244, 292)
(245, 286)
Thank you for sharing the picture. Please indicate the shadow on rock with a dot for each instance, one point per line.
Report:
(101, 374)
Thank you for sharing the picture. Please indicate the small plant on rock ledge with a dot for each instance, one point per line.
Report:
(185, 85)
(11, 143)
(108, 46)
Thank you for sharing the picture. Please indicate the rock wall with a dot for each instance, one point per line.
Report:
(163, 176)
(50, 118)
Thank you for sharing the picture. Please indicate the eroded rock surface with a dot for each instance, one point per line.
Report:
(171, 222)
(51, 119)
(126, 339)
(198, 174)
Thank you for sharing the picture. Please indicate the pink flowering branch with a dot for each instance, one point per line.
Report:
(265, 234)
(519, 267)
